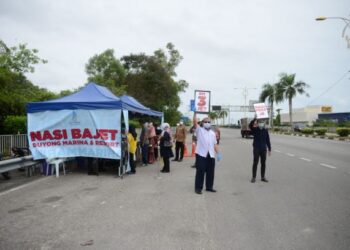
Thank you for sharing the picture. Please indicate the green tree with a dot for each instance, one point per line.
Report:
(277, 121)
(15, 89)
(269, 93)
(289, 88)
(105, 69)
(213, 115)
(15, 124)
(223, 114)
(19, 59)
(150, 79)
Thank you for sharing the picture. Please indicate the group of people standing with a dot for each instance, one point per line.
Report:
(153, 136)
(207, 150)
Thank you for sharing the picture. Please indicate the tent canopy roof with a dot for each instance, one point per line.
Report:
(92, 96)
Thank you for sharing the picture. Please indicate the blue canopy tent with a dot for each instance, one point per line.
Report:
(93, 96)
(131, 104)
(47, 117)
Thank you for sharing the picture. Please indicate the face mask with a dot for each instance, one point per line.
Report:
(261, 125)
(206, 125)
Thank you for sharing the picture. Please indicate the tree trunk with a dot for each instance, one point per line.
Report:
(290, 113)
(271, 115)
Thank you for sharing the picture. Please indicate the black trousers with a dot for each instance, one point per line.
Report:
(205, 167)
(258, 153)
(179, 149)
(166, 167)
(132, 162)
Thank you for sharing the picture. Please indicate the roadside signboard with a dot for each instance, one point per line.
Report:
(192, 105)
(261, 110)
(202, 101)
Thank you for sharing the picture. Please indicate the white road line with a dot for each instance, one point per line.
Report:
(277, 151)
(23, 186)
(305, 159)
(327, 166)
(290, 154)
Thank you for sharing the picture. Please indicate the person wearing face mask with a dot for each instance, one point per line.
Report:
(206, 151)
(261, 144)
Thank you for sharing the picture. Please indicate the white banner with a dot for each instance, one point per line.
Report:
(261, 110)
(202, 101)
(70, 133)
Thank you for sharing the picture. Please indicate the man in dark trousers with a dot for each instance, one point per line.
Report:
(206, 151)
(180, 138)
(260, 145)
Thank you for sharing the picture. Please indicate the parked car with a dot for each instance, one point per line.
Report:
(298, 127)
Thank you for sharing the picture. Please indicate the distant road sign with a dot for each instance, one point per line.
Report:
(216, 108)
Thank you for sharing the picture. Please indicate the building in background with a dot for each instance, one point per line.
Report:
(307, 115)
(335, 117)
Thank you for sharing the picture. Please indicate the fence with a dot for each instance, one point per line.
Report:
(9, 141)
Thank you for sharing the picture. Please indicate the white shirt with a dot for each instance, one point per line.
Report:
(206, 139)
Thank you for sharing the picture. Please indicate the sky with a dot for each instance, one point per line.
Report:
(226, 45)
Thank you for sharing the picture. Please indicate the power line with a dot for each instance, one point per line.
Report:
(330, 87)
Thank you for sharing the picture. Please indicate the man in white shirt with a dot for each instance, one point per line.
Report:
(206, 150)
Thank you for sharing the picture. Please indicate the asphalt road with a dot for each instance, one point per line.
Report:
(306, 204)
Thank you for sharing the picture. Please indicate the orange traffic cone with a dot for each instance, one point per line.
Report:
(185, 151)
(193, 149)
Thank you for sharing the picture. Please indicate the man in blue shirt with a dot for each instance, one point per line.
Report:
(260, 145)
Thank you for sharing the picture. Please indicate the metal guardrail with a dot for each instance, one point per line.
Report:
(26, 162)
(9, 141)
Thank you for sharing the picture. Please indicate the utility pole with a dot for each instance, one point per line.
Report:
(245, 95)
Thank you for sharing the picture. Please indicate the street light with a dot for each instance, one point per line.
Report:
(347, 25)
(245, 94)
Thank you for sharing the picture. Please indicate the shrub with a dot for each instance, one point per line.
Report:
(343, 132)
(307, 131)
(321, 131)
(15, 124)
(276, 129)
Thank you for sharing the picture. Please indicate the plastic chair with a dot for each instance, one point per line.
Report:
(56, 163)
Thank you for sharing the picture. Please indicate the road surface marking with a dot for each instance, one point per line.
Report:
(328, 166)
(277, 151)
(305, 159)
(290, 154)
(22, 186)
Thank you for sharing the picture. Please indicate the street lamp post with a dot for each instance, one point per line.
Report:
(245, 94)
(347, 25)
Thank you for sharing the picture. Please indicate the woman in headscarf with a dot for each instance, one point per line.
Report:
(132, 140)
(166, 144)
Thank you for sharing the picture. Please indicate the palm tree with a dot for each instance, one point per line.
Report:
(269, 92)
(288, 88)
(223, 115)
(213, 116)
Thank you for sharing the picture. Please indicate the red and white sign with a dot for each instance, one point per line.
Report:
(202, 101)
(261, 110)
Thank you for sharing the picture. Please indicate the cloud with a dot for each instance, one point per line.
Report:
(225, 44)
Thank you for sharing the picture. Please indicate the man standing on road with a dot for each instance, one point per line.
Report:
(180, 138)
(260, 145)
(206, 150)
